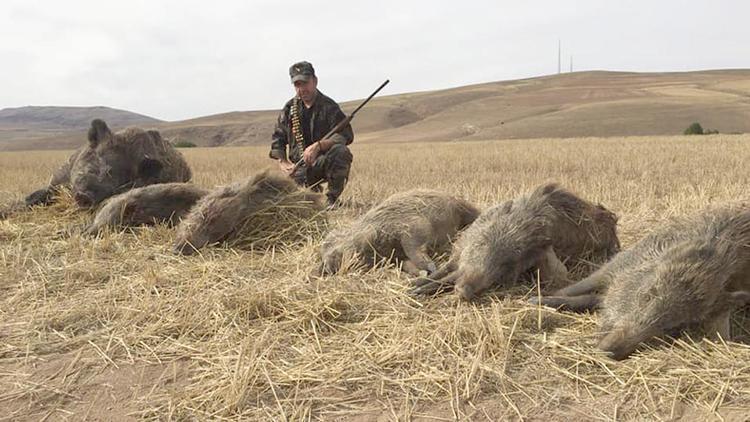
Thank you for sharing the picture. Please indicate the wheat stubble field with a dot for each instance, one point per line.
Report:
(118, 328)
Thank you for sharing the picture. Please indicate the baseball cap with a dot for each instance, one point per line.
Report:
(301, 71)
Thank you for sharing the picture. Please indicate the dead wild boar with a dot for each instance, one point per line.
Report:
(691, 273)
(550, 230)
(407, 227)
(111, 163)
(220, 214)
(160, 203)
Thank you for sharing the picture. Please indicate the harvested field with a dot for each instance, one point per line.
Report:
(116, 327)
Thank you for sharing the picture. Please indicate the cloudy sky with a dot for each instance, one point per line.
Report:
(180, 59)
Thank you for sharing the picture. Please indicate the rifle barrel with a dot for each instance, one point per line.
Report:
(370, 97)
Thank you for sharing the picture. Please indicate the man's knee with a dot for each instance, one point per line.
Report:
(340, 153)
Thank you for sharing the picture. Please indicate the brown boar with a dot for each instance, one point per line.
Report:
(550, 230)
(160, 203)
(112, 163)
(690, 273)
(407, 227)
(224, 211)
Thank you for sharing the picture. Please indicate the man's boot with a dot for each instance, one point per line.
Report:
(337, 165)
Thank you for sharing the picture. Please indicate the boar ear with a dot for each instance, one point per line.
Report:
(549, 188)
(97, 132)
(149, 168)
(154, 133)
(740, 297)
(507, 206)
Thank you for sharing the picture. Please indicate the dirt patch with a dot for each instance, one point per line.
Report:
(83, 385)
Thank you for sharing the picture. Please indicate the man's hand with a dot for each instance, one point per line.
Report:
(311, 153)
(286, 166)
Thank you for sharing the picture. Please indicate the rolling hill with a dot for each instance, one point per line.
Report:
(50, 127)
(595, 103)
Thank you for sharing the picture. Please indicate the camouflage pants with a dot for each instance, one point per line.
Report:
(331, 167)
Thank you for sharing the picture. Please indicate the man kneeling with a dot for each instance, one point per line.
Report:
(302, 123)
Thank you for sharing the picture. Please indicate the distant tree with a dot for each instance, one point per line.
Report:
(711, 131)
(184, 144)
(694, 129)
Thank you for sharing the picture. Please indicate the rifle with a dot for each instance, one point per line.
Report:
(342, 124)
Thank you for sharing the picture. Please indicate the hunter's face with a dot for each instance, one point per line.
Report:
(306, 89)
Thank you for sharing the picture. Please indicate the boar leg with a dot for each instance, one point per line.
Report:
(408, 267)
(435, 287)
(591, 284)
(446, 269)
(442, 272)
(39, 197)
(552, 270)
(718, 327)
(569, 303)
(415, 249)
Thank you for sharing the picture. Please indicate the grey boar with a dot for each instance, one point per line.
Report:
(222, 213)
(407, 227)
(692, 272)
(160, 203)
(550, 230)
(111, 163)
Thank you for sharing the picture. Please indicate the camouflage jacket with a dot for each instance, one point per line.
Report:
(323, 116)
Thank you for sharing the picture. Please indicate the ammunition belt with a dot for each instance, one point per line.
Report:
(299, 137)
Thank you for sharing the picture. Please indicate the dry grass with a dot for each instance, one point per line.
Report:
(290, 221)
(117, 325)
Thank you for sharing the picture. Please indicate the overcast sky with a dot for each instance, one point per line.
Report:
(180, 59)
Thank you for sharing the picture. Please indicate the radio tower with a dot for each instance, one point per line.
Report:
(559, 44)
